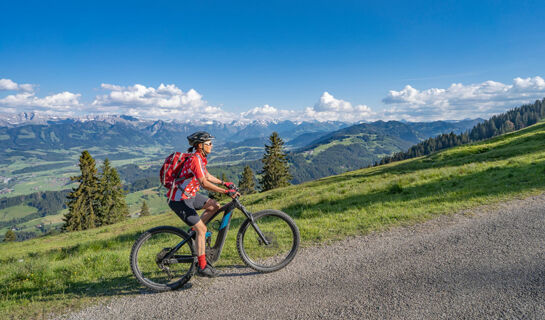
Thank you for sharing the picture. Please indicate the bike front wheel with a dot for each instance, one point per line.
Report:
(279, 230)
(150, 261)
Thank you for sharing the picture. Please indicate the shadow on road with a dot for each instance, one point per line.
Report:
(226, 273)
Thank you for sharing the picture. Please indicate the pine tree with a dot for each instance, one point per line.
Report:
(275, 171)
(83, 201)
(144, 210)
(10, 236)
(246, 184)
(113, 207)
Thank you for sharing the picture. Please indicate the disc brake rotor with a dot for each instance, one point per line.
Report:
(271, 238)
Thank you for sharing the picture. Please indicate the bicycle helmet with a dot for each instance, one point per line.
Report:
(199, 137)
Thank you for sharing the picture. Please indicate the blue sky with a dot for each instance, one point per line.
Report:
(320, 60)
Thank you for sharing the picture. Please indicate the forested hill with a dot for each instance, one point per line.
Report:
(515, 119)
(363, 144)
(412, 132)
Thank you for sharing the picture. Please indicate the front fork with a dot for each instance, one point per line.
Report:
(252, 222)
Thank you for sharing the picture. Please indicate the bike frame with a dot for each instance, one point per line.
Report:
(214, 252)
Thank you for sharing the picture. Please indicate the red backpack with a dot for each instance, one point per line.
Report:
(170, 171)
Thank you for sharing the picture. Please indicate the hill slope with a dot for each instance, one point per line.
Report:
(54, 272)
(363, 144)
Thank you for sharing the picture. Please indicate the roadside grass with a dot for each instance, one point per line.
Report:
(71, 270)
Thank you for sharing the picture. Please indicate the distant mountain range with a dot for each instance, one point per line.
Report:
(30, 130)
(316, 149)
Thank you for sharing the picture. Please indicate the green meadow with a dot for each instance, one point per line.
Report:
(71, 270)
(156, 202)
(16, 212)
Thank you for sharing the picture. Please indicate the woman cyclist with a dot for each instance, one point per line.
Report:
(185, 201)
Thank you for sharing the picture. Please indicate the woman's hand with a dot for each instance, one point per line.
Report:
(229, 185)
(232, 193)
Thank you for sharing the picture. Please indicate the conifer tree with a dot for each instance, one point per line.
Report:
(113, 207)
(246, 184)
(275, 171)
(83, 201)
(144, 210)
(10, 236)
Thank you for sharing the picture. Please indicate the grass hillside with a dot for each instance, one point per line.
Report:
(69, 270)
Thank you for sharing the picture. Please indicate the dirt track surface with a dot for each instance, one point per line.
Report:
(489, 264)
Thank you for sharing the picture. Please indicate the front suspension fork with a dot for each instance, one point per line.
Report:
(252, 222)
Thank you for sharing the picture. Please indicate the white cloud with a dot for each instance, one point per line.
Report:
(112, 87)
(9, 85)
(462, 101)
(165, 101)
(330, 108)
(65, 103)
(170, 102)
(269, 113)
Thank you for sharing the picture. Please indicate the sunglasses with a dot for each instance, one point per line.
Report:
(209, 143)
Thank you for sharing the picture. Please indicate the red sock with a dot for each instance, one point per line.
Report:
(202, 261)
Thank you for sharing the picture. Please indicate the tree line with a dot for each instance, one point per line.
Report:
(512, 120)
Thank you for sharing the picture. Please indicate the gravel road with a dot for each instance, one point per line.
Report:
(489, 263)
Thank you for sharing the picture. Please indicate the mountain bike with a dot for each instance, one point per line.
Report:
(164, 258)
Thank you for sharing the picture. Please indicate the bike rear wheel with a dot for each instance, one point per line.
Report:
(149, 266)
(282, 233)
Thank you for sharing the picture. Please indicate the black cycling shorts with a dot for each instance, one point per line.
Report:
(187, 209)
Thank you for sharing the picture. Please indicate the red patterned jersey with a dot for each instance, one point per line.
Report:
(188, 184)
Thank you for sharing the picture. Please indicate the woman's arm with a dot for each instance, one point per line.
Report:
(213, 179)
(208, 185)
